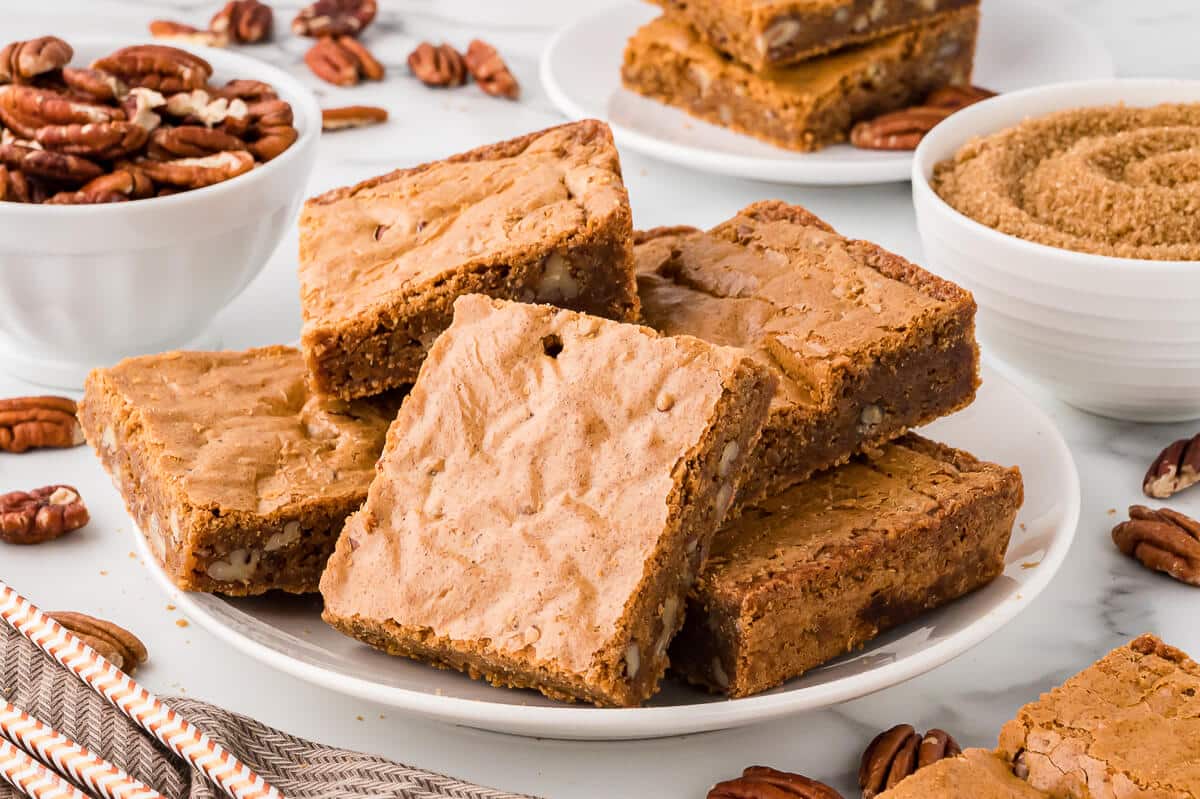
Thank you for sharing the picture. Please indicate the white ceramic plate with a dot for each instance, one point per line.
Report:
(1021, 44)
(1002, 426)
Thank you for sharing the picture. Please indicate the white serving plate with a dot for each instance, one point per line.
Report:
(1002, 426)
(1021, 44)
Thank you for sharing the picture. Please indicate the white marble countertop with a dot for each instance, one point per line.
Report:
(1099, 599)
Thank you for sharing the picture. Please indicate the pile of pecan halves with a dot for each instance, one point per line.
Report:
(141, 122)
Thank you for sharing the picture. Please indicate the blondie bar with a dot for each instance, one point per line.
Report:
(541, 218)
(865, 343)
(545, 499)
(1128, 726)
(775, 33)
(237, 475)
(975, 774)
(809, 105)
(820, 569)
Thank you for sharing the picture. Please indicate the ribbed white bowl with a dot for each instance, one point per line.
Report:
(1115, 336)
(84, 286)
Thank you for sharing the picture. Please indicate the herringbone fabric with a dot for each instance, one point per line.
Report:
(300, 769)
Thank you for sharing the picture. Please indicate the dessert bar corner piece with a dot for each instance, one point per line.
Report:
(975, 774)
(781, 32)
(239, 478)
(545, 499)
(818, 570)
(866, 344)
(542, 218)
(1127, 726)
(812, 104)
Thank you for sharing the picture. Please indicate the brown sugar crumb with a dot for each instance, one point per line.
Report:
(1110, 180)
(181, 622)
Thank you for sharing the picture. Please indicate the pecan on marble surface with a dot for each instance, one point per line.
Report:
(243, 21)
(897, 753)
(33, 422)
(352, 116)
(334, 18)
(342, 61)
(44, 514)
(438, 65)
(1163, 540)
(760, 782)
(1177, 467)
(173, 31)
(490, 71)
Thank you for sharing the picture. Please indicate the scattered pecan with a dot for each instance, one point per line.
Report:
(1177, 467)
(342, 61)
(114, 643)
(21, 62)
(94, 84)
(760, 782)
(490, 71)
(154, 66)
(897, 753)
(904, 129)
(1164, 540)
(32, 422)
(103, 140)
(190, 141)
(334, 18)
(182, 32)
(352, 116)
(195, 173)
(438, 66)
(41, 515)
(243, 21)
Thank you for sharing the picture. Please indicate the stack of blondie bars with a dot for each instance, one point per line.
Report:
(523, 441)
(800, 73)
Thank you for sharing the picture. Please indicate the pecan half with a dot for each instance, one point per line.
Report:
(1177, 467)
(25, 109)
(438, 66)
(897, 753)
(21, 62)
(760, 782)
(32, 422)
(182, 32)
(128, 181)
(154, 66)
(1163, 540)
(342, 61)
(13, 186)
(334, 18)
(269, 142)
(490, 71)
(103, 140)
(352, 116)
(111, 641)
(94, 84)
(243, 21)
(904, 129)
(198, 108)
(41, 515)
(195, 173)
(61, 167)
(244, 89)
(190, 141)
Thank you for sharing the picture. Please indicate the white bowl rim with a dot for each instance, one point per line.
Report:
(922, 168)
(305, 109)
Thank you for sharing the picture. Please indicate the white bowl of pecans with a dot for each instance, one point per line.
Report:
(141, 189)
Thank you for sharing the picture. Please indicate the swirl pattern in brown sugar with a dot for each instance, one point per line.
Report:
(1110, 180)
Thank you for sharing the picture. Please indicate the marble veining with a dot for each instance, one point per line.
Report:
(1099, 600)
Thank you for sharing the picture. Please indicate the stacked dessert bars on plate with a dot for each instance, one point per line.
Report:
(800, 73)
(523, 441)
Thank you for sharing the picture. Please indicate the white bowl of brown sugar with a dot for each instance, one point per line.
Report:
(1072, 212)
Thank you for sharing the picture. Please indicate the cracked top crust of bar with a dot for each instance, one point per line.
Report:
(976, 773)
(389, 237)
(525, 483)
(240, 431)
(780, 283)
(799, 535)
(1128, 726)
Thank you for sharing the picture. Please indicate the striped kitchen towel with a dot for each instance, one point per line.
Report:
(299, 769)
